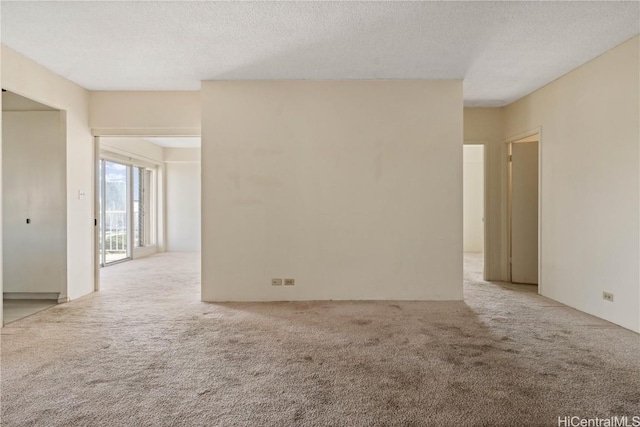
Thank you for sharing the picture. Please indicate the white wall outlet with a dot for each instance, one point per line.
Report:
(276, 282)
(289, 282)
(607, 296)
(81, 195)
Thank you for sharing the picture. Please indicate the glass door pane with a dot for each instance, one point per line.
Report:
(115, 221)
(138, 207)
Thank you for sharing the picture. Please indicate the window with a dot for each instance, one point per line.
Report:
(142, 212)
(138, 206)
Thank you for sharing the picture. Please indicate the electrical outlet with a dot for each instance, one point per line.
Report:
(289, 282)
(276, 282)
(607, 296)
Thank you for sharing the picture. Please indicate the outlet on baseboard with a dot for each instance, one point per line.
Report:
(276, 282)
(289, 282)
(607, 296)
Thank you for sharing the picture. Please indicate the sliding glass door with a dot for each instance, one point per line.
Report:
(115, 208)
(126, 201)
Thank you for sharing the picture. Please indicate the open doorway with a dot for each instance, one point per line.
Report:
(523, 175)
(473, 211)
(34, 208)
(147, 202)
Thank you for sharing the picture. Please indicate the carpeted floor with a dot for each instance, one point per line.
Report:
(145, 351)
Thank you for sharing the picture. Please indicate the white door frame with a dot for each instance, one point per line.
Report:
(507, 211)
(96, 213)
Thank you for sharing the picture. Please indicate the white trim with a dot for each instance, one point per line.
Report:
(32, 295)
(96, 214)
(523, 135)
(540, 211)
(508, 141)
(148, 132)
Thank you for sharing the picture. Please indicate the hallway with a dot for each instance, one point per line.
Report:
(145, 351)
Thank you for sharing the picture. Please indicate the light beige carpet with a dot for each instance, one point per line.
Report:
(146, 352)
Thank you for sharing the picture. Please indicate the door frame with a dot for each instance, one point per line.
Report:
(518, 138)
(485, 208)
(96, 213)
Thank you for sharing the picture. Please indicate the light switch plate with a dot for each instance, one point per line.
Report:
(276, 282)
(289, 282)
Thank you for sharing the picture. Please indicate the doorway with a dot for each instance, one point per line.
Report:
(147, 201)
(473, 211)
(523, 174)
(34, 208)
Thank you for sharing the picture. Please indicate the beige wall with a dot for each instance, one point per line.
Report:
(485, 126)
(473, 198)
(354, 189)
(183, 206)
(182, 154)
(145, 113)
(590, 192)
(26, 78)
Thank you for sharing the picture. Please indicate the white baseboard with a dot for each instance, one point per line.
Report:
(145, 251)
(62, 299)
(31, 295)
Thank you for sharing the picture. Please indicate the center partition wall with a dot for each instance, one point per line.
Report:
(353, 189)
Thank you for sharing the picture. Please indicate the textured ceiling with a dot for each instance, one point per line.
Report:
(502, 50)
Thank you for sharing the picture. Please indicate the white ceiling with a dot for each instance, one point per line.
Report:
(175, 142)
(503, 50)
